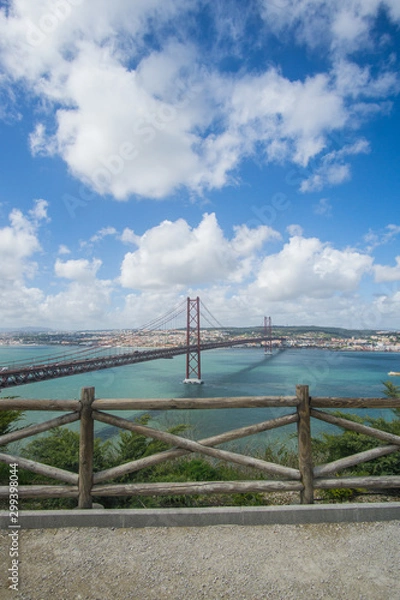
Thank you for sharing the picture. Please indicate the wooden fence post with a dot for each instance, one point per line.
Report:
(304, 440)
(86, 448)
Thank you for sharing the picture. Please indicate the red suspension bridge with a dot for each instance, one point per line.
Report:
(105, 357)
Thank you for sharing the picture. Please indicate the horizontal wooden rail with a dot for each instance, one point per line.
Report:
(196, 487)
(34, 404)
(194, 403)
(368, 483)
(86, 484)
(42, 491)
(317, 402)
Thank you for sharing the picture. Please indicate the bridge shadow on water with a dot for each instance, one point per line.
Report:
(235, 380)
(240, 376)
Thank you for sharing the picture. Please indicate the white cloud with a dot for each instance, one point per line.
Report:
(19, 242)
(128, 236)
(83, 304)
(78, 270)
(309, 268)
(175, 255)
(141, 308)
(298, 115)
(387, 308)
(246, 240)
(342, 26)
(323, 208)
(20, 304)
(294, 230)
(332, 170)
(131, 120)
(354, 81)
(327, 174)
(62, 249)
(39, 33)
(385, 273)
(380, 238)
(102, 233)
(39, 211)
(305, 281)
(40, 143)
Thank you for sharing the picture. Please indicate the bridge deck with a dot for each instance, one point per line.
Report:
(23, 374)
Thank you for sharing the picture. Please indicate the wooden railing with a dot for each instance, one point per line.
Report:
(87, 484)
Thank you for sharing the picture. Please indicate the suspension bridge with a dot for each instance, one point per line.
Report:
(94, 358)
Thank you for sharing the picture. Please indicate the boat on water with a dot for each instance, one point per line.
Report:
(391, 373)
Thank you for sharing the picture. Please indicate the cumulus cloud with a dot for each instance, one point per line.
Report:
(83, 301)
(83, 304)
(291, 118)
(386, 308)
(238, 276)
(128, 236)
(77, 270)
(307, 267)
(19, 242)
(173, 254)
(131, 120)
(342, 26)
(385, 273)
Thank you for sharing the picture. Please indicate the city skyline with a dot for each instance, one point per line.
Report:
(246, 154)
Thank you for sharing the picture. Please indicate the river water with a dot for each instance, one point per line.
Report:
(226, 372)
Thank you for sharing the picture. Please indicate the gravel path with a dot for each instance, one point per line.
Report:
(286, 562)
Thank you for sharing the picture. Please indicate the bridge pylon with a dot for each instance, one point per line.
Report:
(268, 335)
(193, 356)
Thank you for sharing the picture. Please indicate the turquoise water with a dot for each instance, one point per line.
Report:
(226, 372)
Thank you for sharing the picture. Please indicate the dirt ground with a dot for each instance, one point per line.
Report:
(351, 561)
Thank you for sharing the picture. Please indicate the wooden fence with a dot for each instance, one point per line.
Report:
(87, 484)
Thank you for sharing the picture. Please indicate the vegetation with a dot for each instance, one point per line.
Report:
(8, 422)
(330, 447)
(60, 448)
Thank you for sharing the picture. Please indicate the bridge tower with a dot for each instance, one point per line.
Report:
(268, 335)
(193, 364)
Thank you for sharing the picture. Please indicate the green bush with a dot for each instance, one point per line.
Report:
(8, 420)
(60, 448)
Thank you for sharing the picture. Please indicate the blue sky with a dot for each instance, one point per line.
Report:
(244, 152)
